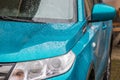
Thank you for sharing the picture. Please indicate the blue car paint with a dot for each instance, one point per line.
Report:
(30, 39)
(109, 10)
(33, 41)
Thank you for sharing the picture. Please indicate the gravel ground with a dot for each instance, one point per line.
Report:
(115, 65)
(116, 53)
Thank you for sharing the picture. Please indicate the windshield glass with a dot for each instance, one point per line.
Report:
(39, 10)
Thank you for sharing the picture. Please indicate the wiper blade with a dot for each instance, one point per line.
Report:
(18, 19)
(6, 18)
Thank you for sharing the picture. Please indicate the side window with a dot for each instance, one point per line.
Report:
(88, 7)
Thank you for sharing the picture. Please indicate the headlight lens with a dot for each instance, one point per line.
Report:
(41, 69)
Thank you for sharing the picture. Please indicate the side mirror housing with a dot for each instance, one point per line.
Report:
(103, 12)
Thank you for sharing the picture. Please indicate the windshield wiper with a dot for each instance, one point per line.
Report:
(18, 19)
(6, 18)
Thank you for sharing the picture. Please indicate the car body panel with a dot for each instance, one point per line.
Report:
(28, 39)
(35, 41)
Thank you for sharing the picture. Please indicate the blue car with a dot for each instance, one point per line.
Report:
(55, 39)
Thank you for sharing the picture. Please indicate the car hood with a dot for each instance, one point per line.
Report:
(21, 41)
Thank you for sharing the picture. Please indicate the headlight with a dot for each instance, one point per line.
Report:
(41, 69)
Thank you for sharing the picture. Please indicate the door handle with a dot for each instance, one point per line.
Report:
(104, 26)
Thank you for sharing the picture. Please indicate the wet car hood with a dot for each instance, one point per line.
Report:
(33, 41)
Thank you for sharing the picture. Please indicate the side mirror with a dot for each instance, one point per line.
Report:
(103, 12)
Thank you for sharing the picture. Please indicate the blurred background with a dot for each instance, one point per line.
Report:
(115, 3)
(115, 64)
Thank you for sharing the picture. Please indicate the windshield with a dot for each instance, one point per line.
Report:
(39, 10)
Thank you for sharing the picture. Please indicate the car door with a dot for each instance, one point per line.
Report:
(99, 37)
